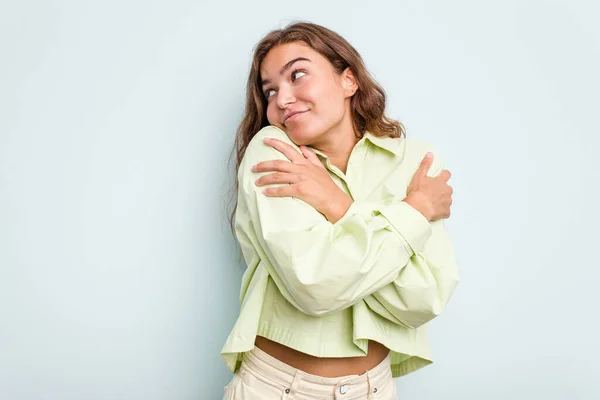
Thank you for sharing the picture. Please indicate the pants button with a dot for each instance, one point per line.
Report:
(344, 389)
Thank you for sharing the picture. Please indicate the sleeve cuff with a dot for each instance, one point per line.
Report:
(409, 222)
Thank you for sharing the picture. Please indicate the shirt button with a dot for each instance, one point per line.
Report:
(344, 389)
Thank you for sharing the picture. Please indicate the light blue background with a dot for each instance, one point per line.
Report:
(119, 278)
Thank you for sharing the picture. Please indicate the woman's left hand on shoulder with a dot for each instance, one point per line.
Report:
(307, 180)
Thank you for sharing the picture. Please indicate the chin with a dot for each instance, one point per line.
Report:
(301, 137)
(305, 133)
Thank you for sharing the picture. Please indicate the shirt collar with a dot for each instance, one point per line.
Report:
(384, 142)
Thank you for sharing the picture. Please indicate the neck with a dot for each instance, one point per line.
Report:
(338, 143)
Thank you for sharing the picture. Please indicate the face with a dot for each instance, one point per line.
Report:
(305, 96)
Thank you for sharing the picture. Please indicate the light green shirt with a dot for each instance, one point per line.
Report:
(379, 273)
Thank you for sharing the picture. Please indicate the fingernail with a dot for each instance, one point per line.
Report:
(428, 155)
(253, 168)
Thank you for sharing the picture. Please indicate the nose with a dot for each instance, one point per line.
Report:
(285, 96)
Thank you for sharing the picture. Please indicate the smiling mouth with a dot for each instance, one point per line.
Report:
(293, 116)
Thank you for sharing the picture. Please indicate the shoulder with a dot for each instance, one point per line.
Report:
(270, 131)
(413, 144)
(258, 150)
(414, 150)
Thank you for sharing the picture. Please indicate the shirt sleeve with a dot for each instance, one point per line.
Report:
(321, 267)
(424, 286)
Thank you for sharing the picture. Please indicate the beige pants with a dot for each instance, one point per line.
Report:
(263, 377)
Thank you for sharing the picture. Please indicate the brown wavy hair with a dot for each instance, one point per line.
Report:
(367, 104)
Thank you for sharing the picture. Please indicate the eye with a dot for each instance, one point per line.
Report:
(297, 74)
(269, 93)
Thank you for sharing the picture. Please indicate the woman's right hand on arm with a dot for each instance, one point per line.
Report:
(431, 196)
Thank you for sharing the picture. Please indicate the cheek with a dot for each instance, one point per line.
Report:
(331, 104)
(327, 97)
(271, 114)
(310, 93)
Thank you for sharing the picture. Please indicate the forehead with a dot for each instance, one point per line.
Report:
(281, 54)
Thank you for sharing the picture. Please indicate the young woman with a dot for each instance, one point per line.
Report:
(340, 220)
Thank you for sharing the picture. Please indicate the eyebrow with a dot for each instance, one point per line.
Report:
(285, 68)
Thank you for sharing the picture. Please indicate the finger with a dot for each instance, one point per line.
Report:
(425, 164)
(276, 177)
(311, 156)
(273, 165)
(289, 151)
(280, 191)
(445, 175)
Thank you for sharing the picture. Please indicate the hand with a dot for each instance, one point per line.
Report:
(431, 196)
(308, 180)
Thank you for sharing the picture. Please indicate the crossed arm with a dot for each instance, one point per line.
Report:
(387, 255)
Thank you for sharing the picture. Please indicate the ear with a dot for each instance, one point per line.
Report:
(349, 82)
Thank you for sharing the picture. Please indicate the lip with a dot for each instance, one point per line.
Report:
(292, 115)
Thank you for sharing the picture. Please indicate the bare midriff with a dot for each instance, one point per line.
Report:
(326, 367)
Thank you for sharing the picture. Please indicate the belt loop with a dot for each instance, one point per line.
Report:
(295, 382)
(368, 386)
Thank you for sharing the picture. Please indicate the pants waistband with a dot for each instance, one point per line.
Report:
(350, 386)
